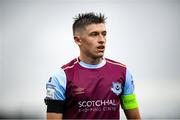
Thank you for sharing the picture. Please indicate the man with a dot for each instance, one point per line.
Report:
(91, 86)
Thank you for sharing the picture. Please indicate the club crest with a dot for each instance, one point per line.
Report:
(116, 88)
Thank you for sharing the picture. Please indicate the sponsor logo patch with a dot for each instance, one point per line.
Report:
(116, 88)
(98, 105)
(50, 93)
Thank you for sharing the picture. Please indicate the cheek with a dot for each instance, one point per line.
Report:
(90, 45)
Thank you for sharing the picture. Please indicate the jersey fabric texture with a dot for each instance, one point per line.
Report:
(90, 91)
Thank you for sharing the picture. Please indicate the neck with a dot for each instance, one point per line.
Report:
(90, 60)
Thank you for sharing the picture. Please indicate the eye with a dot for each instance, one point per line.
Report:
(94, 34)
(104, 33)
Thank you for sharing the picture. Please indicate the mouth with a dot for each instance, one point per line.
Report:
(101, 48)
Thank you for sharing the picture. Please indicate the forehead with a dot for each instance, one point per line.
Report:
(95, 27)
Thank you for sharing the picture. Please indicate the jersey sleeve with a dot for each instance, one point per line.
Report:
(128, 98)
(129, 84)
(55, 91)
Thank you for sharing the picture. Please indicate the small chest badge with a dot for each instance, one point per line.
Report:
(116, 88)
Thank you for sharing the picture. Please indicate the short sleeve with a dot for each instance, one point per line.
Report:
(56, 85)
(129, 84)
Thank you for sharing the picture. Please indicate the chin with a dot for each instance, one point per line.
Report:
(99, 56)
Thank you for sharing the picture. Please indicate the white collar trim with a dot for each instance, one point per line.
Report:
(90, 66)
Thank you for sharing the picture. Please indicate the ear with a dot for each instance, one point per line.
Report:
(77, 40)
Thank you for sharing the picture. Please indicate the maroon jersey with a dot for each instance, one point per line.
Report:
(93, 92)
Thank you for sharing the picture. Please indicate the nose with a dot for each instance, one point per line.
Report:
(101, 39)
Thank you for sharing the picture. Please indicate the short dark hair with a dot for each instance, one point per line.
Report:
(84, 19)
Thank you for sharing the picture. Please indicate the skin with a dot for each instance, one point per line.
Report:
(132, 114)
(91, 41)
(54, 116)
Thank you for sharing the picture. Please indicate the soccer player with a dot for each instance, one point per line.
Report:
(91, 86)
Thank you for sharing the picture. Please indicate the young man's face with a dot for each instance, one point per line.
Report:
(92, 41)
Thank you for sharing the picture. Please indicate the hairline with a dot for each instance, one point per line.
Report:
(81, 29)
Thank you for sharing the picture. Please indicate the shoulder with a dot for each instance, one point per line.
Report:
(70, 64)
(113, 62)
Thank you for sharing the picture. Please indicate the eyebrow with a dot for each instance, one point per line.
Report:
(98, 32)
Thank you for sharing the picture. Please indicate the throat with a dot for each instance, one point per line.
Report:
(92, 61)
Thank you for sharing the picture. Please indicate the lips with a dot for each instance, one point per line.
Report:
(101, 47)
